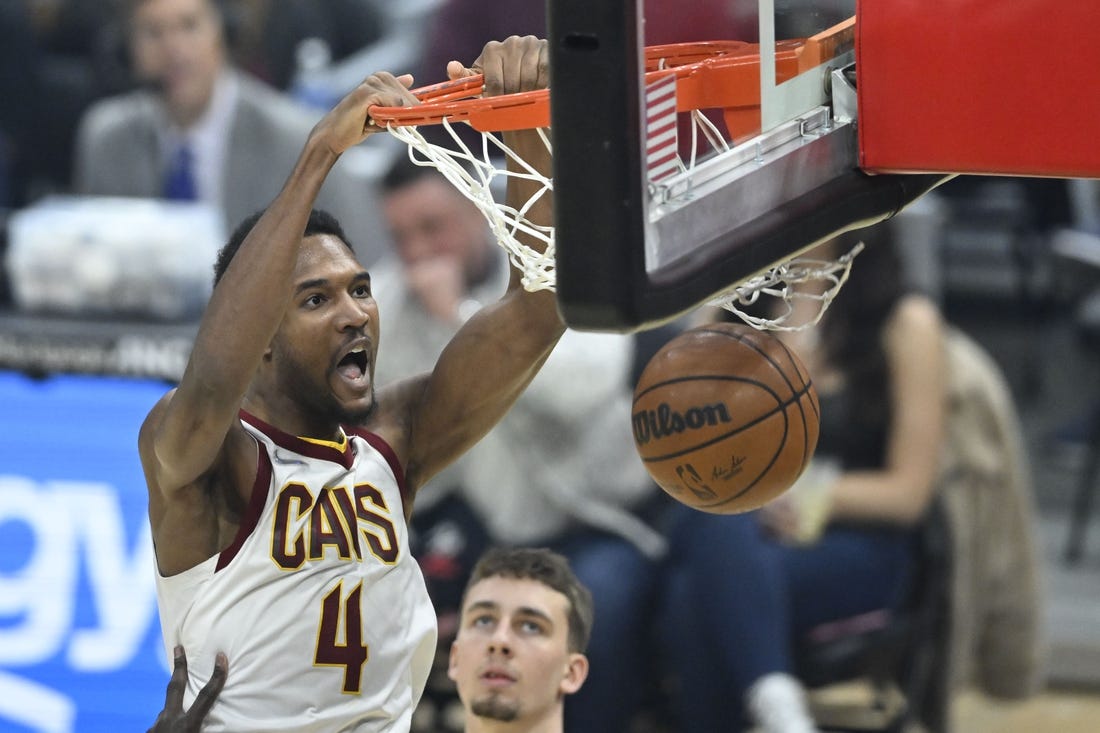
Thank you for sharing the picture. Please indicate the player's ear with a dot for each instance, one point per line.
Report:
(575, 673)
(452, 664)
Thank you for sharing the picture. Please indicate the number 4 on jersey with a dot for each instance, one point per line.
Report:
(351, 654)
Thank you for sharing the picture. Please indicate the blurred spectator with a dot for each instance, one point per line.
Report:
(54, 62)
(200, 129)
(19, 68)
(323, 77)
(560, 470)
(272, 36)
(841, 542)
(458, 31)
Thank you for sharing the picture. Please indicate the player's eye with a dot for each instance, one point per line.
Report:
(314, 300)
(361, 291)
(531, 627)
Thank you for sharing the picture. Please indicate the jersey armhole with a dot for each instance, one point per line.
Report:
(255, 507)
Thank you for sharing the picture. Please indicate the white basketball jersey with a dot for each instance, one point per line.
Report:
(318, 604)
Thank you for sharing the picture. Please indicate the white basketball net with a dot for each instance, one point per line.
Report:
(476, 173)
(782, 282)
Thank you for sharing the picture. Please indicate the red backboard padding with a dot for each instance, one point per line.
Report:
(979, 86)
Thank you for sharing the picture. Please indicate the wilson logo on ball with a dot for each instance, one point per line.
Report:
(725, 417)
(664, 421)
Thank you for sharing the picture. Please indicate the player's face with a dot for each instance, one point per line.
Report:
(179, 45)
(510, 660)
(326, 345)
(430, 219)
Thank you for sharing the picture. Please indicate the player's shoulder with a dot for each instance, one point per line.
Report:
(117, 114)
(156, 415)
(156, 412)
(395, 406)
(148, 431)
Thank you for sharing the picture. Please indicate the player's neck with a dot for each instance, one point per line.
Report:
(289, 418)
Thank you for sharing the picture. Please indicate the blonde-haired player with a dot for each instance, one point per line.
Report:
(519, 651)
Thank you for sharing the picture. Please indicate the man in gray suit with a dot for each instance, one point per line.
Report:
(201, 130)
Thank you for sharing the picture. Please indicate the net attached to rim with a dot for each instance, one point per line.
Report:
(478, 171)
(787, 283)
(476, 174)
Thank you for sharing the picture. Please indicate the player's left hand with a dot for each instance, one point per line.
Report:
(516, 64)
(349, 122)
(173, 719)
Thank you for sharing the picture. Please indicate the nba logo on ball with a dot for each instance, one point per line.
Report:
(725, 418)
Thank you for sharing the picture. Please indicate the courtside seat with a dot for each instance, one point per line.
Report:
(889, 665)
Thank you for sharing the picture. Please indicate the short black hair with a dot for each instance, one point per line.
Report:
(550, 569)
(320, 222)
(228, 16)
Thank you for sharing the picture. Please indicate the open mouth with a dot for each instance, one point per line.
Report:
(354, 364)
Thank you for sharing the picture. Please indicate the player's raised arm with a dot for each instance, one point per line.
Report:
(497, 352)
(184, 434)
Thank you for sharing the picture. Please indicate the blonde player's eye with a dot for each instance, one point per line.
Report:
(531, 627)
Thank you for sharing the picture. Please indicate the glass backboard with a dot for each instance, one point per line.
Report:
(637, 248)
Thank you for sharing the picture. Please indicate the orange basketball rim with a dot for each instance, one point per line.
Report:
(710, 75)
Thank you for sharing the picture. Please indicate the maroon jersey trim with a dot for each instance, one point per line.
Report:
(255, 507)
(344, 457)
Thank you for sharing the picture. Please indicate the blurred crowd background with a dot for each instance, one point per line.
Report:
(1013, 263)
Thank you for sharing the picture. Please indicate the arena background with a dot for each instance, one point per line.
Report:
(80, 643)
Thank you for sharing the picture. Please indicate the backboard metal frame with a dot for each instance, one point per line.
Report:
(617, 267)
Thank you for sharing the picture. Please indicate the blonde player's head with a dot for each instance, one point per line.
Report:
(526, 621)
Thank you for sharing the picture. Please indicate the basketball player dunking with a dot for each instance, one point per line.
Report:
(280, 481)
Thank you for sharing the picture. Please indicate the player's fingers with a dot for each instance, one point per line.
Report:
(535, 71)
(384, 89)
(173, 698)
(520, 63)
(457, 70)
(210, 691)
(491, 65)
(543, 80)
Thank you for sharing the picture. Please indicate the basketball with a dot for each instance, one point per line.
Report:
(725, 418)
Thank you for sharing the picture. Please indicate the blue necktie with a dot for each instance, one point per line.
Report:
(179, 184)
